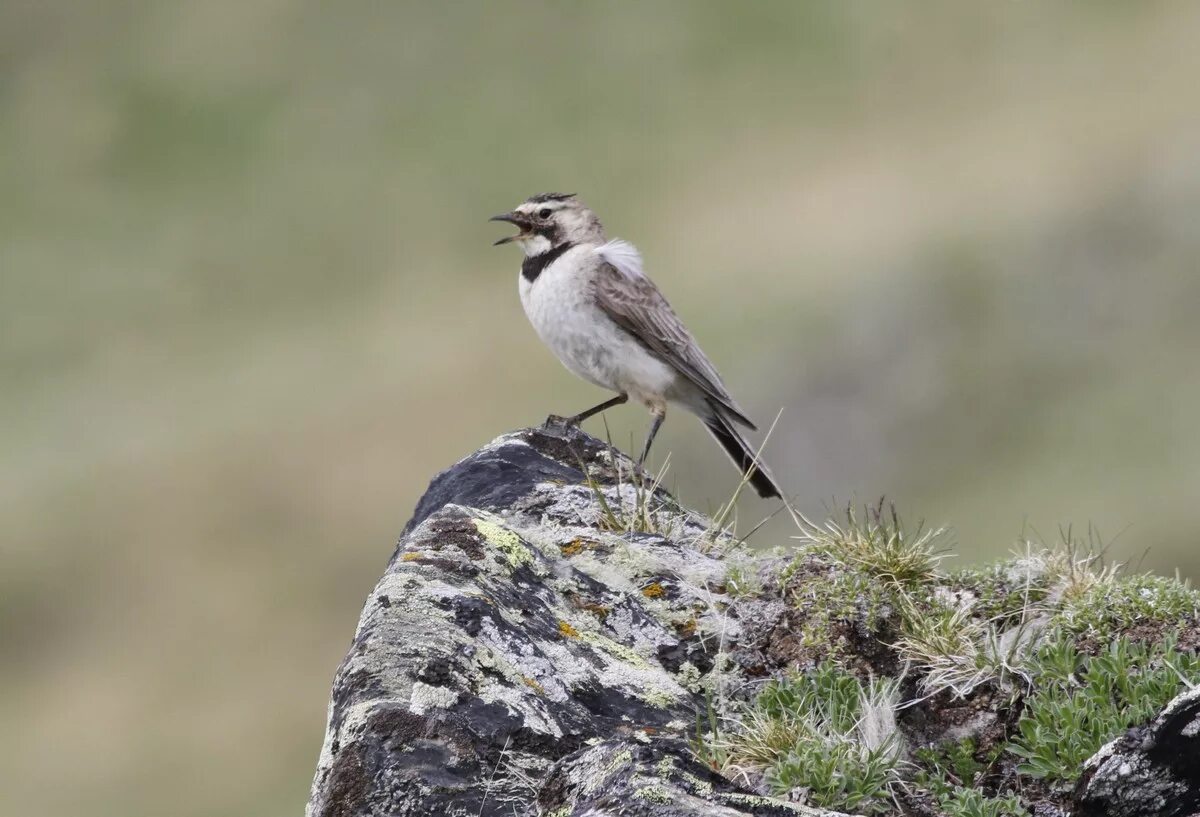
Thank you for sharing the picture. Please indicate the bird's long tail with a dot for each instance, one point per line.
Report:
(740, 452)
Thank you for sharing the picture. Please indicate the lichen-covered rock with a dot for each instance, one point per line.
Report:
(512, 628)
(550, 636)
(659, 779)
(1150, 771)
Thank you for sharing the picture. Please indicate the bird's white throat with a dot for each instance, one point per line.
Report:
(535, 245)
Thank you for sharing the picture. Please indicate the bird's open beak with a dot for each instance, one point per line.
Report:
(512, 218)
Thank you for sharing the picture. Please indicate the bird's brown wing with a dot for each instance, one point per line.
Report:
(635, 303)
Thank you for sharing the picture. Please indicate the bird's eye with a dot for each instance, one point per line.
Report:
(544, 212)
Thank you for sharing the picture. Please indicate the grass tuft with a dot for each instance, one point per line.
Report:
(648, 512)
(875, 542)
(958, 653)
(822, 736)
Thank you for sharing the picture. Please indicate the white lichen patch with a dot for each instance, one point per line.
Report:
(524, 703)
(568, 670)
(654, 686)
(689, 676)
(643, 634)
(354, 718)
(425, 697)
(573, 505)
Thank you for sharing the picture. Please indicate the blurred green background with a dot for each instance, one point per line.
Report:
(249, 306)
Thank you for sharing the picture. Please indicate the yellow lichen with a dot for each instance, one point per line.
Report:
(566, 629)
(654, 793)
(658, 697)
(410, 557)
(572, 548)
(598, 610)
(614, 649)
(654, 590)
(533, 684)
(504, 541)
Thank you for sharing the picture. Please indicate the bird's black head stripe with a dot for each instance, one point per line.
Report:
(544, 197)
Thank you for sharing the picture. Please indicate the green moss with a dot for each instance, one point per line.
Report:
(998, 592)
(741, 579)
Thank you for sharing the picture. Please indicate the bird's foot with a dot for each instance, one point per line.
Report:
(554, 421)
(643, 476)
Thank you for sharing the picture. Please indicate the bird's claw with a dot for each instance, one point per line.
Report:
(554, 421)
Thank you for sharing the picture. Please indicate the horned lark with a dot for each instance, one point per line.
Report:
(593, 305)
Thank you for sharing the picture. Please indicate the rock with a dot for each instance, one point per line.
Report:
(548, 636)
(650, 780)
(515, 649)
(1150, 771)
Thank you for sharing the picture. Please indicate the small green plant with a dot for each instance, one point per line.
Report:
(876, 543)
(963, 802)
(823, 735)
(741, 578)
(1080, 703)
(945, 767)
(953, 772)
(1119, 605)
(843, 596)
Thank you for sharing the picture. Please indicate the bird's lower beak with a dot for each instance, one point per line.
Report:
(512, 218)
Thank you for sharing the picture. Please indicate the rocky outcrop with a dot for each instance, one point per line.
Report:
(1150, 771)
(550, 635)
(514, 630)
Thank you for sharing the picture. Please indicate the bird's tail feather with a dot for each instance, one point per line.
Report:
(740, 452)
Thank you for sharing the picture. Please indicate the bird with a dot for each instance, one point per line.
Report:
(589, 299)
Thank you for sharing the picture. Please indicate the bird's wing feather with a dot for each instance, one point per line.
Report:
(624, 292)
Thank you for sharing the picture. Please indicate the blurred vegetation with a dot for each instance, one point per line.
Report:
(248, 307)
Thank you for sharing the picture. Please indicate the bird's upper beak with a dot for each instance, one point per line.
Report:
(519, 219)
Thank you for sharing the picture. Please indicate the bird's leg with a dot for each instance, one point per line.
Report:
(660, 414)
(555, 420)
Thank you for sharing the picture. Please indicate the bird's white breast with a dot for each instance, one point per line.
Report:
(563, 312)
(562, 309)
